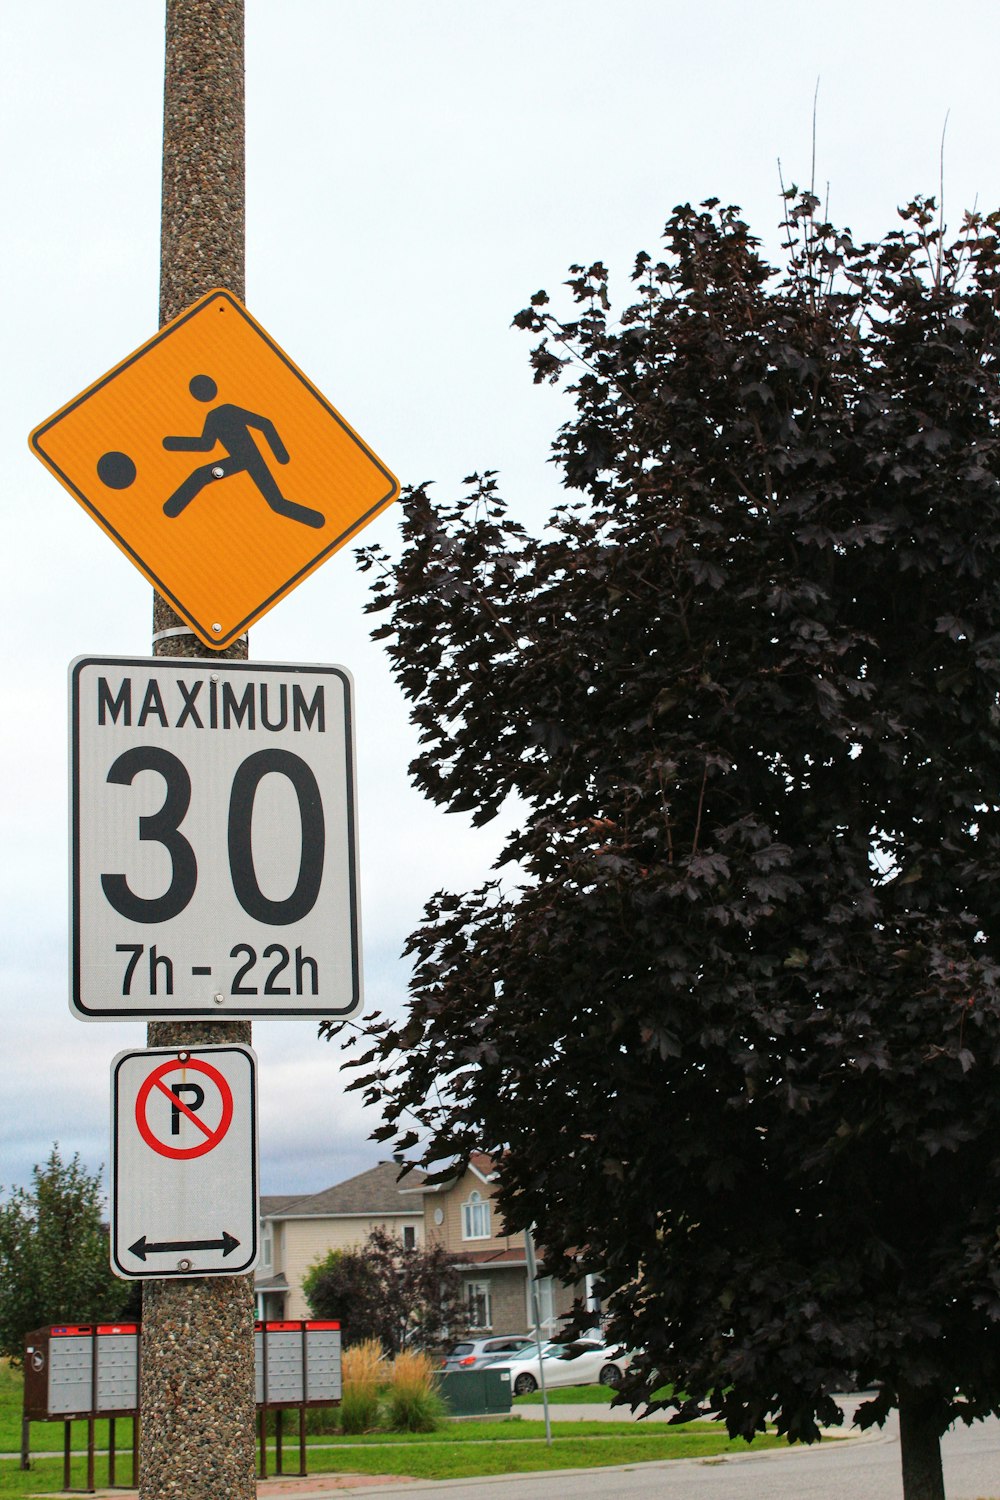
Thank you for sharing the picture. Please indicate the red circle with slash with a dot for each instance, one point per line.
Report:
(155, 1081)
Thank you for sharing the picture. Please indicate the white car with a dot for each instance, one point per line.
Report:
(581, 1362)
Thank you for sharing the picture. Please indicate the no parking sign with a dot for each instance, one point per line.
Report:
(184, 1190)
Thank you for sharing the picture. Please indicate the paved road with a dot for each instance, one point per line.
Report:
(861, 1468)
(865, 1468)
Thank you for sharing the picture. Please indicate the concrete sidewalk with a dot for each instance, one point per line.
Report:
(314, 1487)
(587, 1411)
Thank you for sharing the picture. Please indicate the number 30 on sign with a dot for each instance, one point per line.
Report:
(214, 858)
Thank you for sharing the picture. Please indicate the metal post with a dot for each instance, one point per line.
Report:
(197, 1431)
(529, 1255)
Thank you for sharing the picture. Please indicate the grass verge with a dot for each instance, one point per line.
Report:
(522, 1449)
(465, 1451)
(571, 1395)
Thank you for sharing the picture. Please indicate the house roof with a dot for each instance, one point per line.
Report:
(479, 1163)
(490, 1258)
(273, 1204)
(277, 1283)
(376, 1191)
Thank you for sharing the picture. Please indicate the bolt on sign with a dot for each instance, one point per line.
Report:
(216, 466)
(184, 1180)
(213, 853)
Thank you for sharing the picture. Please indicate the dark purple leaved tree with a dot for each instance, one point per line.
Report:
(729, 1018)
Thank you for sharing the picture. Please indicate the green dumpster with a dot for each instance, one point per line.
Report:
(476, 1393)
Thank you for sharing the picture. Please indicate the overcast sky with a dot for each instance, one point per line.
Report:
(414, 173)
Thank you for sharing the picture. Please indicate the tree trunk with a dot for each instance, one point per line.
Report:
(920, 1447)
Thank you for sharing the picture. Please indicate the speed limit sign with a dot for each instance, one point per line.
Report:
(214, 858)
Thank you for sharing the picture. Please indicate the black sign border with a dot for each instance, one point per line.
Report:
(232, 1010)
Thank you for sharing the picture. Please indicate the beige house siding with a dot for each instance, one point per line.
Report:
(305, 1227)
(304, 1230)
(507, 1284)
(305, 1241)
(451, 1201)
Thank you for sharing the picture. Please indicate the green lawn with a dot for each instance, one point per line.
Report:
(513, 1430)
(47, 1437)
(513, 1450)
(573, 1395)
(462, 1450)
(466, 1451)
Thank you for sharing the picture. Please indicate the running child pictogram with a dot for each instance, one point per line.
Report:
(230, 426)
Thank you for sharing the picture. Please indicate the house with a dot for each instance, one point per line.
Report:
(459, 1213)
(296, 1231)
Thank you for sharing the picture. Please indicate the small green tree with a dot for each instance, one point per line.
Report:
(344, 1286)
(399, 1295)
(54, 1254)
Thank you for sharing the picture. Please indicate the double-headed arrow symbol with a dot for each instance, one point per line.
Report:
(142, 1247)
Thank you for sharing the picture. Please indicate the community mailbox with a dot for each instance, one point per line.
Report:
(214, 858)
(297, 1363)
(184, 1180)
(216, 466)
(75, 1370)
(82, 1370)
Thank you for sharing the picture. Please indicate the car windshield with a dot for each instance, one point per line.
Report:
(459, 1349)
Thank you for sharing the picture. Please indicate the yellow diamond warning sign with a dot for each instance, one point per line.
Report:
(216, 466)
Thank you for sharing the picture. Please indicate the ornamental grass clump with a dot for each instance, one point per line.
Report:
(364, 1374)
(412, 1400)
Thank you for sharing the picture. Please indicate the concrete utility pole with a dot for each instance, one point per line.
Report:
(197, 1400)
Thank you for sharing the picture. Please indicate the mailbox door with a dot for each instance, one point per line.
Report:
(71, 1373)
(323, 1381)
(117, 1368)
(283, 1352)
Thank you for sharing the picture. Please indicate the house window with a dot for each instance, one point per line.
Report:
(476, 1218)
(477, 1303)
(409, 1237)
(266, 1253)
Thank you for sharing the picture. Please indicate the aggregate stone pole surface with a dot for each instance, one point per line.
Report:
(197, 1399)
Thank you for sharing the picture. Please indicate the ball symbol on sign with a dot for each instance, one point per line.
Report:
(116, 470)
